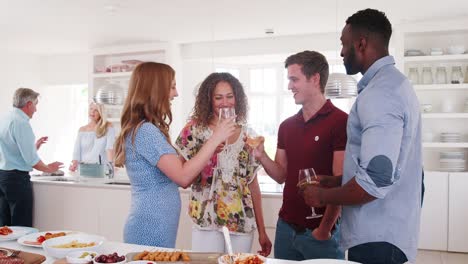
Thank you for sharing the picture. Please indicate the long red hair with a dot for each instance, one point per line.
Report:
(147, 101)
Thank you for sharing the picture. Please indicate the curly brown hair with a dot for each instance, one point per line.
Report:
(203, 109)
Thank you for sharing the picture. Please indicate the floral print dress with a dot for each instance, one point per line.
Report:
(220, 196)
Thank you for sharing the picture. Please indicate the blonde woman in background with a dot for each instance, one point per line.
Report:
(153, 165)
(94, 139)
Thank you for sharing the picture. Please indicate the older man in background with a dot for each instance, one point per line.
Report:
(18, 156)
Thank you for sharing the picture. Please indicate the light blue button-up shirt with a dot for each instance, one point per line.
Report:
(384, 153)
(17, 142)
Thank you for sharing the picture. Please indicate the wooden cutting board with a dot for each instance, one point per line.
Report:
(30, 258)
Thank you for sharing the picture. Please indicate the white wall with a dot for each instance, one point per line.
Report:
(17, 70)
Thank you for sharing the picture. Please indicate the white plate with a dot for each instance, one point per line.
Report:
(18, 231)
(33, 237)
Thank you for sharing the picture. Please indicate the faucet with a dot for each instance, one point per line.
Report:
(110, 167)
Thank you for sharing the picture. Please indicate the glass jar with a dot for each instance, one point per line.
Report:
(441, 75)
(466, 75)
(457, 76)
(427, 75)
(413, 75)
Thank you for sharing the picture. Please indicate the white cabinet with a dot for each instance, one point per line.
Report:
(458, 213)
(434, 222)
(94, 210)
(115, 65)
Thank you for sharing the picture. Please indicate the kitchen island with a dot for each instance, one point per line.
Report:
(101, 207)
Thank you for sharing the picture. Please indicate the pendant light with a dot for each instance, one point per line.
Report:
(340, 85)
(110, 93)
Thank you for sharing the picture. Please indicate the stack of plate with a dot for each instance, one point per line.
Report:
(452, 161)
(450, 137)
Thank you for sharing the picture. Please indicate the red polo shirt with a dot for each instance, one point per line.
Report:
(309, 145)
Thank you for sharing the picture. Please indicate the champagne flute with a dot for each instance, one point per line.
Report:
(308, 176)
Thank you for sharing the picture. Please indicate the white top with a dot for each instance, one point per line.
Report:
(88, 147)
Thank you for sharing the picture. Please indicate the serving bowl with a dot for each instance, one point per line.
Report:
(60, 247)
(110, 259)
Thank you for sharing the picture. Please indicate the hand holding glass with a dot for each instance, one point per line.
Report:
(225, 113)
(308, 176)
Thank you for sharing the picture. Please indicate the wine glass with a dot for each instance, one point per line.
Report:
(225, 113)
(253, 140)
(308, 176)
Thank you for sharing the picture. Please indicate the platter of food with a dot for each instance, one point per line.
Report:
(36, 239)
(166, 257)
(14, 232)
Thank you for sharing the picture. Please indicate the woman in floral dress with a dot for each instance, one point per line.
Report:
(226, 193)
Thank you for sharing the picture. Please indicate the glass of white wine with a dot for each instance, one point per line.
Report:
(308, 176)
(253, 140)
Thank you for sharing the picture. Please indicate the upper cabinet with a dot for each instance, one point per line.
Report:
(111, 69)
(436, 62)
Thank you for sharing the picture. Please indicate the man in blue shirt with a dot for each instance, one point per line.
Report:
(382, 176)
(18, 156)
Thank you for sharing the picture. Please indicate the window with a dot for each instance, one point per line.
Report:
(270, 102)
(62, 109)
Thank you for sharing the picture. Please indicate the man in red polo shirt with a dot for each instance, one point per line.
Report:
(313, 138)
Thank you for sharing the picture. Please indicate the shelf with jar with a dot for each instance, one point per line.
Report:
(436, 58)
(440, 87)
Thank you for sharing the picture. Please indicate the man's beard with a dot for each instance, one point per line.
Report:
(350, 62)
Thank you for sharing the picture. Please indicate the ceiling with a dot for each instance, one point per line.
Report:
(68, 26)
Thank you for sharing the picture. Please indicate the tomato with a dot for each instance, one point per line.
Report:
(41, 239)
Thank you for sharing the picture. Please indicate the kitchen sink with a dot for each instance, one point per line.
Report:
(118, 183)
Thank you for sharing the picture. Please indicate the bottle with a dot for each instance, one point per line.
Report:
(466, 75)
(413, 75)
(441, 75)
(457, 76)
(427, 75)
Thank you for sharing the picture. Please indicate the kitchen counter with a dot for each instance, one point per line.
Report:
(102, 206)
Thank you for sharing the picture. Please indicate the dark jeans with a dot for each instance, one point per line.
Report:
(377, 253)
(16, 198)
(294, 244)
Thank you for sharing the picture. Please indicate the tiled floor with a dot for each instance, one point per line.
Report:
(439, 257)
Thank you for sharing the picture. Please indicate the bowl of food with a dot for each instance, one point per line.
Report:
(241, 258)
(60, 247)
(81, 257)
(110, 258)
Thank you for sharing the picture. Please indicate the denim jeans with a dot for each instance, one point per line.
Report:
(293, 245)
(377, 253)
